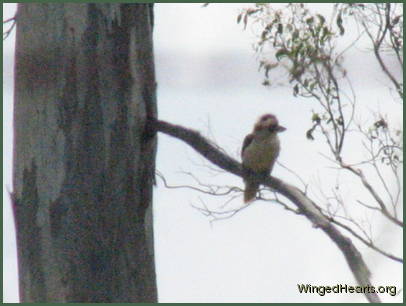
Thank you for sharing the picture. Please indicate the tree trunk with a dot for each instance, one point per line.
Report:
(83, 160)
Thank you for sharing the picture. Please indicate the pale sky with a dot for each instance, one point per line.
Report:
(208, 80)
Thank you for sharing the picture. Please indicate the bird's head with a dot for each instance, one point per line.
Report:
(270, 123)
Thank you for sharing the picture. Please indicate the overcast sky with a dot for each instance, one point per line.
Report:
(208, 80)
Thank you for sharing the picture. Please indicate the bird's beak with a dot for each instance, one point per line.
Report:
(281, 129)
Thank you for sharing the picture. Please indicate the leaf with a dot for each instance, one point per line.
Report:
(310, 20)
(316, 118)
(295, 34)
(263, 35)
(309, 134)
(295, 90)
(381, 123)
(306, 82)
(269, 27)
(324, 34)
(340, 24)
(239, 18)
(395, 20)
(280, 28)
(245, 21)
(252, 11)
(281, 53)
(269, 67)
(321, 19)
(312, 86)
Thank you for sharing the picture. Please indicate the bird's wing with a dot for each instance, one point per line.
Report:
(247, 140)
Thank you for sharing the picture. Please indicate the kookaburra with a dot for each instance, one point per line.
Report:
(260, 150)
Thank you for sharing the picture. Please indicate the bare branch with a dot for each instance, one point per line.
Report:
(219, 215)
(305, 185)
(384, 26)
(9, 20)
(368, 243)
(10, 29)
(373, 192)
(210, 189)
(297, 197)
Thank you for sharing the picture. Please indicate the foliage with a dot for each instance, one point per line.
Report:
(309, 50)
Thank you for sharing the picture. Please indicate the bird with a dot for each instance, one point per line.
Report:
(259, 152)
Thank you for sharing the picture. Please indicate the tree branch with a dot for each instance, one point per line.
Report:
(384, 26)
(10, 29)
(372, 191)
(298, 198)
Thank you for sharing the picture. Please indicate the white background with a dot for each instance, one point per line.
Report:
(208, 80)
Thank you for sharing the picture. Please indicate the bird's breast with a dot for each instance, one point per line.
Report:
(261, 154)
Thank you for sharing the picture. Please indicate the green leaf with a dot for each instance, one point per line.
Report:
(395, 20)
(312, 86)
(281, 53)
(280, 28)
(316, 118)
(245, 21)
(252, 11)
(340, 24)
(310, 20)
(295, 90)
(269, 27)
(325, 34)
(295, 34)
(321, 19)
(263, 35)
(239, 18)
(269, 67)
(306, 82)
(309, 134)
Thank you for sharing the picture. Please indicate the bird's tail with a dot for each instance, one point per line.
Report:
(250, 191)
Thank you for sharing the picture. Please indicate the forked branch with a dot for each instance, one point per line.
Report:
(305, 205)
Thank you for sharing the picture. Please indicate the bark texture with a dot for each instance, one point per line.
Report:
(83, 159)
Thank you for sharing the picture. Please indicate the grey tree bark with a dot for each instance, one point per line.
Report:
(83, 158)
